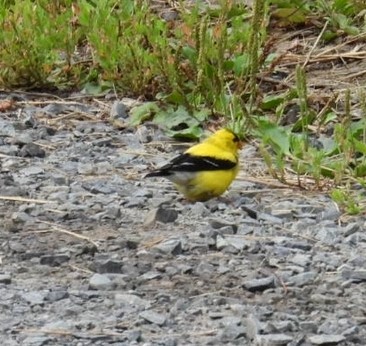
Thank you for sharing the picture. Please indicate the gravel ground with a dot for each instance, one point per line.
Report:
(93, 255)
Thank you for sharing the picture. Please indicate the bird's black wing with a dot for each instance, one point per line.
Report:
(189, 163)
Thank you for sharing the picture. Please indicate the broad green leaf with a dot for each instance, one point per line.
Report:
(192, 133)
(139, 114)
(276, 136)
(272, 101)
(241, 64)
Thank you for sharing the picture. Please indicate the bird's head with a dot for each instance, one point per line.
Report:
(227, 139)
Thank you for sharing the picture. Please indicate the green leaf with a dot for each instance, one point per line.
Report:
(191, 133)
(92, 89)
(291, 15)
(175, 97)
(359, 146)
(241, 64)
(275, 136)
(272, 101)
(139, 114)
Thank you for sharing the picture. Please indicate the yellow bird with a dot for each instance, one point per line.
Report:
(205, 170)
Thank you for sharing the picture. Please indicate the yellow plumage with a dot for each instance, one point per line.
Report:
(205, 170)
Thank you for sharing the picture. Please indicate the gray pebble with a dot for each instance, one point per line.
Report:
(32, 170)
(308, 326)
(356, 275)
(153, 317)
(232, 332)
(131, 300)
(259, 285)
(54, 260)
(109, 266)
(170, 246)
(37, 340)
(134, 335)
(351, 228)
(253, 326)
(327, 235)
(273, 340)
(32, 150)
(332, 212)
(323, 299)
(54, 296)
(86, 168)
(326, 339)
(161, 214)
(54, 109)
(301, 259)
(118, 110)
(302, 278)
(100, 282)
(237, 242)
(6, 129)
(270, 219)
(5, 279)
(34, 297)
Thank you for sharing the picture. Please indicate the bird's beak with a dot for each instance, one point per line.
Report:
(240, 144)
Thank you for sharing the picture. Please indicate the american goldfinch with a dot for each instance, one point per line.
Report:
(205, 170)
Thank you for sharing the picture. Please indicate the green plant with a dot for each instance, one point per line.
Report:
(351, 201)
(36, 44)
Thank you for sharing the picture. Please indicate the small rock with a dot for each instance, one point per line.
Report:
(301, 259)
(54, 296)
(134, 335)
(131, 300)
(54, 108)
(118, 110)
(270, 219)
(199, 209)
(351, 228)
(323, 299)
(273, 339)
(253, 326)
(32, 150)
(232, 332)
(54, 260)
(302, 278)
(5, 279)
(308, 326)
(259, 285)
(220, 223)
(153, 317)
(32, 170)
(352, 274)
(205, 269)
(237, 242)
(33, 298)
(102, 142)
(171, 246)
(326, 339)
(100, 282)
(109, 266)
(351, 331)
(20, 217)
(283, 213)
(332, 212)
(6, 129)
(86, 168)
(37, 340)
(161, 214)
(328, 235)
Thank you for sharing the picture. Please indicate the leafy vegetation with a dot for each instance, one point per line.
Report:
(212, 65)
